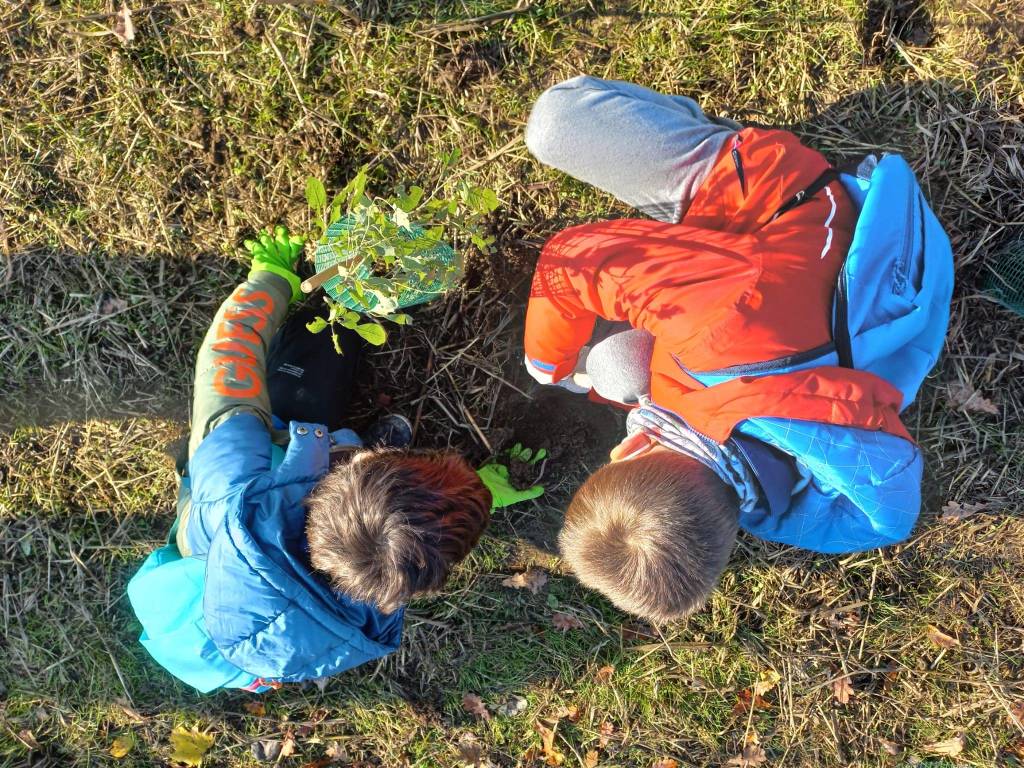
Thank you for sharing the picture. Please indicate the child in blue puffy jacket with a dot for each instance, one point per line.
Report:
(293, 563)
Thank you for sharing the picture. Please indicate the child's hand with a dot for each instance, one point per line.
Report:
(496, 477)
(277, 253)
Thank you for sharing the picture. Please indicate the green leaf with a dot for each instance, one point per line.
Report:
(337, 342)
(407, 201)
(316, 325)
(316, 195)
(373, 333)
(400, 319)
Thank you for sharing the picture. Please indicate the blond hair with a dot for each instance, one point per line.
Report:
(653, 534)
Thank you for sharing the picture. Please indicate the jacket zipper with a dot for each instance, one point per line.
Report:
(786, 361)
(738, 162)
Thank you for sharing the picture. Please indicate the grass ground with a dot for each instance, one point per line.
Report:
(130, 174)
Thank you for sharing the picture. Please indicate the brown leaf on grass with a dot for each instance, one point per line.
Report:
(337, 752)
(940, 638)
(606, 731)
(842, 689)
(890, 747)
(25, 737)
(768, 680)
(665, 762)
(569, 712)
(471, 752)
(969, 399)
(552, 755)
(533, 580)
(288, 745)
(590, 759)
(751, 756)
(747, 700)
(563, 622)
(603, 676)
(475, 706)
(123, 26)
(948, 748)
(257, 708)
(954, 511)
(1017, 714)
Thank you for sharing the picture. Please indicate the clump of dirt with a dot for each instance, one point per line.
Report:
(522, 474)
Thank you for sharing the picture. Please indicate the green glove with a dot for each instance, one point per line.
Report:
(495, 476)
(278, 254)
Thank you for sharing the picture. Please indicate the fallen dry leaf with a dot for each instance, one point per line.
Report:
(969, 399)
(471, 752)
(552, 755)
(25, 737)
(288, 745)
(665, 762)
(565, 621)
(337, 752)
(122, 745)
(590, 759)
(257, 708)
(568, 712)
(603, 676)
(606, 731)
(189, 746)
(751, 756)
(768, 680)
(1017, 714)
(475, 706)
(747, 699)
(890, 747)
(111, 304)
(533, 580)
(940, 638)
(954, 511)
(514, 705)
(948, 748)
(842, 689)
(123, 26)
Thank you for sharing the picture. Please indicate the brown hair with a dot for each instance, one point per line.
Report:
(653, 534)
(390, 524)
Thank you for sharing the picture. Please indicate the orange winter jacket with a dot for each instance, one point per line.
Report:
(726, 286)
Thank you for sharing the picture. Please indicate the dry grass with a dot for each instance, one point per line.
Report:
(129, 175)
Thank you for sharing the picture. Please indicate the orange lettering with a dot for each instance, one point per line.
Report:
(243, 382)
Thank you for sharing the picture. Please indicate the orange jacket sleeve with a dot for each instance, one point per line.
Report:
(665, 278)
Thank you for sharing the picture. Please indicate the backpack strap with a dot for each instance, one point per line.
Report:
(827, 177)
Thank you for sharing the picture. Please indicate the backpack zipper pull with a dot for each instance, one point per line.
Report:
(738, 162)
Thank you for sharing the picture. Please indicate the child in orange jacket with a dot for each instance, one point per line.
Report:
(748, 399)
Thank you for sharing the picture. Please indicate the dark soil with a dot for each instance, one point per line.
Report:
(577, 433)
(906, 21)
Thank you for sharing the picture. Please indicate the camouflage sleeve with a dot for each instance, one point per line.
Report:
(231, 366)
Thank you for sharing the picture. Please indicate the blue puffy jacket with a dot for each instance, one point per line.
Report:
(245, 610)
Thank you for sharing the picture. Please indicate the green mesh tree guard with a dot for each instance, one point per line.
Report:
(326, 256)
(1005, 280)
